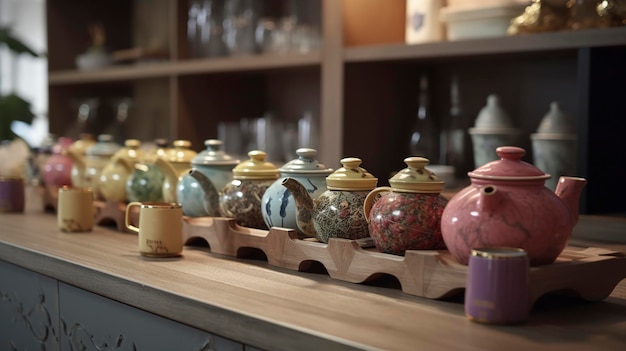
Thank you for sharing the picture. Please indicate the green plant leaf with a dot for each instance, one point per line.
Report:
(14, 44)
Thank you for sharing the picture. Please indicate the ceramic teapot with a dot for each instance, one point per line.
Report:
(57, 171)
(91, 164)
(174, 165)
(218, 167)
(145, 184)
(115, 174)
(337, 212)
(241, 198)
(278, 205)
(508, 205)
(78, 151)
(407, 215)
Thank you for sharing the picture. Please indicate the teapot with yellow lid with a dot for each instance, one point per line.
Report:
(337, 212)
(407, 215)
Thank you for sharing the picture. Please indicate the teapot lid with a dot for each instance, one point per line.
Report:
(181, 152)
(81, 145)
(305, 163)
(416, 178)
(509, 167)
(104, 147)
(256, 167)
(351, 177)
(130, 149)
(214, 155)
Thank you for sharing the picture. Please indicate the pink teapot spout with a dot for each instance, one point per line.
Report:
(489, 198)
(568, 190)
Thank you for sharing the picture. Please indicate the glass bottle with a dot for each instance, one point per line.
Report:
(454, 141)
(424, 140)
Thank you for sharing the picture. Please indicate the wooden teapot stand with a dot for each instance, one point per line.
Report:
(587, 273)
(112, 212)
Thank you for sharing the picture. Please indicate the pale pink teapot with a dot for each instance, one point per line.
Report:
(507, 204)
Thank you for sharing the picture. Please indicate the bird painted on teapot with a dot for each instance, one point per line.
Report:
(407, 215)
(338, 212)
(278, 204)
(508, 205)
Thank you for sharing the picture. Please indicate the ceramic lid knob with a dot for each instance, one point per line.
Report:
(214, 155)
(509, 167)
(181, 153)
(416, 178)
(104, 147)
(256, 167)
(351, 177)
(305, 163)
(555, 121)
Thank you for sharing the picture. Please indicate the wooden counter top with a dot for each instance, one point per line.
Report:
(276, 309)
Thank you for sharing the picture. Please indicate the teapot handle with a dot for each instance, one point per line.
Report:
(369, 200)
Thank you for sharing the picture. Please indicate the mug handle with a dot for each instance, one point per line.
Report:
(127, 217)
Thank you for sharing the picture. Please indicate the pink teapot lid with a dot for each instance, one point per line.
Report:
(509, 167)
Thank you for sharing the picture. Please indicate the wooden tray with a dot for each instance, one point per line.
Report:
(590, 274)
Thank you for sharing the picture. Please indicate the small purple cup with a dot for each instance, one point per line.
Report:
(497, 286)
(11, 194)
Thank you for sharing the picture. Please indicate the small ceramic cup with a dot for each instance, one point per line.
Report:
(11, 194)
(160, 228)
(75, 212)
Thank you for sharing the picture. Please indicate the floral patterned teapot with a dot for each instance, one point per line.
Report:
(407, 215)
(241, 198)
(507, 204)
(338, 212)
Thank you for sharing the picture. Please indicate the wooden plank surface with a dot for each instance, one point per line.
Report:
(272, 308)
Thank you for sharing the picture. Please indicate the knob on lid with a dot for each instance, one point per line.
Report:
(214, 155)
(306, 163)
(351, 177)
(181, 152)
(416, 178)
(509, 167)
(256, 167)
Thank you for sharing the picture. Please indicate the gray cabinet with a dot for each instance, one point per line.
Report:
(93, 322)
(29, 310)
(41, 313)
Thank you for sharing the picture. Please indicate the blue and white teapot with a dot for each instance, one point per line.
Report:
(278, 205)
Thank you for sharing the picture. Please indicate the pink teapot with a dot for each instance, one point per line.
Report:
(507, 204)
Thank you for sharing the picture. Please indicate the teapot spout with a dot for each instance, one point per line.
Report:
(168, 170)
(304, 206)
(211, 197)
(568, 190)
(489, 198)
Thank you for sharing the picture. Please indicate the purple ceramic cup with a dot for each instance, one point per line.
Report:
(497, 286)
(11, 194)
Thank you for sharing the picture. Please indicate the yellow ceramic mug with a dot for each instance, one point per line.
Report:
(160, 228)
(75, 211)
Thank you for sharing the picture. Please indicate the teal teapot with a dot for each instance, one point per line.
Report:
(218, 167)
(278, 205)
(337, 212)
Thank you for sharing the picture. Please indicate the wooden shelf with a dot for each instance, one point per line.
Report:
(490, 46)
(196, 66)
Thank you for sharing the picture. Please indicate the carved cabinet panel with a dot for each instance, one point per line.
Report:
(29, 311)
(92, 322)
